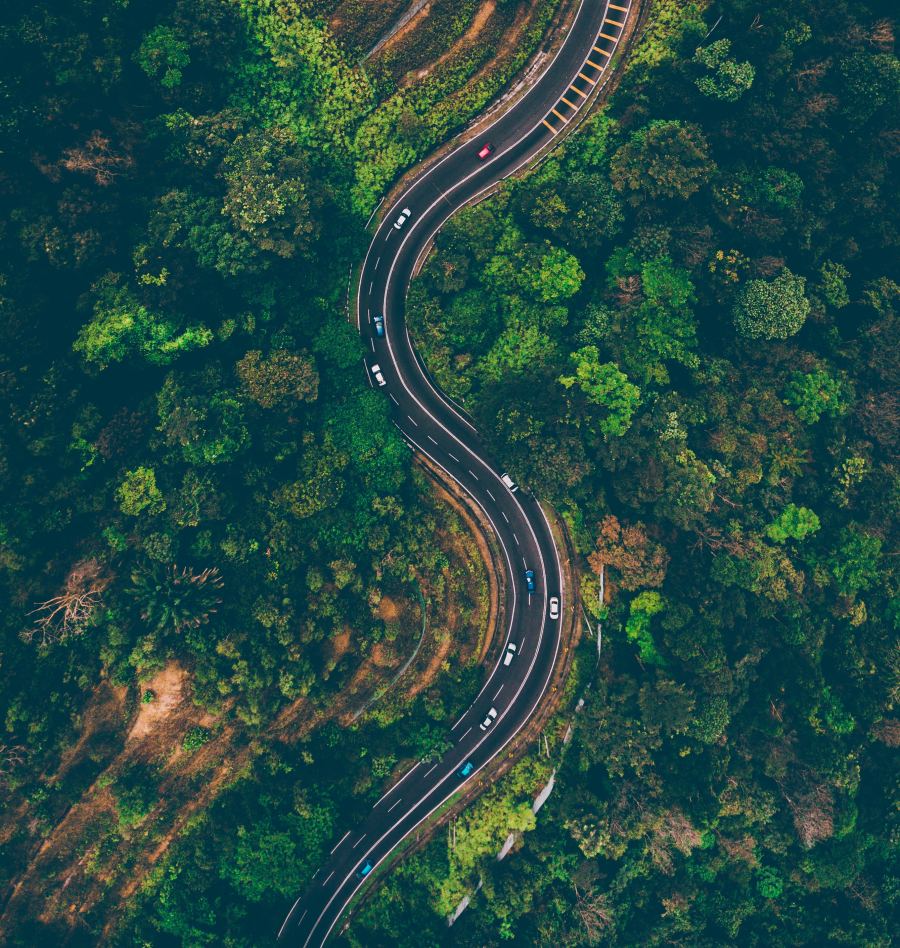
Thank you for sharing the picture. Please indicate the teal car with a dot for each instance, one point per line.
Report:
(364, 870)
(468, 767)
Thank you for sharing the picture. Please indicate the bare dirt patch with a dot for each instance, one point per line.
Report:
(168, 686)
(410, 26)
(340, 645)
(388, 610)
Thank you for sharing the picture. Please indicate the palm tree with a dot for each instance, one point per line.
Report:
(173, 599)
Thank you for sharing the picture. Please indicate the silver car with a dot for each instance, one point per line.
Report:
(489, 720)
(379, 378)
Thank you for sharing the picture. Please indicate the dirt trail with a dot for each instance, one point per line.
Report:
(484, 13)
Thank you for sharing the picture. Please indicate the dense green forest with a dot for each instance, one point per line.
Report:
(681, 330)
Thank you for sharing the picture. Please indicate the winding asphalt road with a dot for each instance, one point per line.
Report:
(432, 425)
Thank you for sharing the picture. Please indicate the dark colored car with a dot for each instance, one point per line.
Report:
(487, 149)
(529, 580)
(379, 326)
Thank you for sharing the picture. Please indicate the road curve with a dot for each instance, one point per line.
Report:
(433, 426)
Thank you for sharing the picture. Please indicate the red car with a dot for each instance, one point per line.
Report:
(486, 149)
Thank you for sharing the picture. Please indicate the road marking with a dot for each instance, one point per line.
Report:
(393, 399)
(606, 36)
(493, 498)
(524, 563)
(373, 344)
(330, 874)
(545, 122)
(602, 52)
(473, 474)
(529, 599)
(391, 807)
(371, 284)
(397, 784)
(614, 22)
(504, 516)
(464, 736)
(455, 458)
(516, 539)
(431, 439)
(376, 264)
(593, 82)
(559, 115)
(595, 65)
(571, 105)
(369, 313)
(498, 692)
(413, 420)
(339, 842)
(576, 89)
(612, 6)
(429, 771)
(361, 838)
(305, 912)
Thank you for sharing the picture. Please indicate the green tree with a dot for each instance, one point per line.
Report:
(269, 197)
(854, 564)
(163, 54)
(773, 309)
(834, 286)
(282, 377)
(643, 607)
(138, 493)
(607, 386)
(122, 326)
(815, 393)
(794, 523)
(725, 79)
(665, 159)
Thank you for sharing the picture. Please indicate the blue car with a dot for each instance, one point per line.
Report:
(468, 767)
(379, 326)
(529, 580)
(364, 870)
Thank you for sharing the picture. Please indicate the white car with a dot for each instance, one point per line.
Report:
(554, 607)
(511, 485)
(402, 219)
(379, 378)
(489, 720)
(510, 653)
